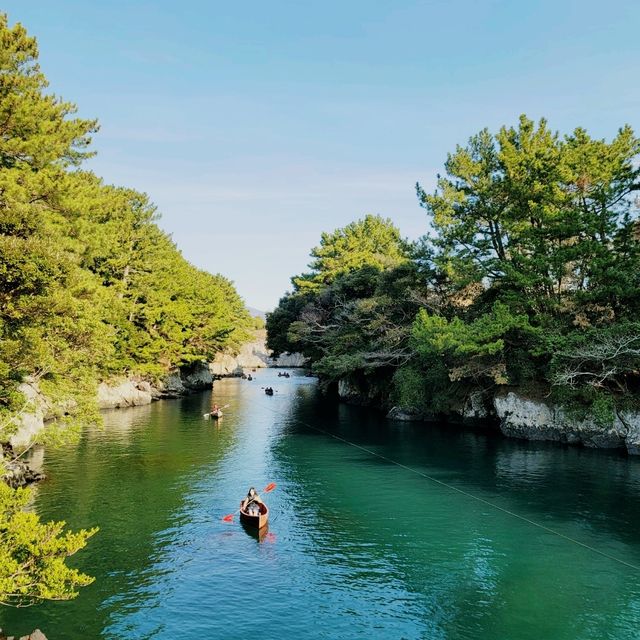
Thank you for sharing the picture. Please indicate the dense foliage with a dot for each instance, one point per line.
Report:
(530, 277)
(33, 554)
(90, 287)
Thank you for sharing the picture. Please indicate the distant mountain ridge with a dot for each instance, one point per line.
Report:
(257, 313)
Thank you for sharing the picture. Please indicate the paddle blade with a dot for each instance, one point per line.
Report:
(228, 518)
(269, 487)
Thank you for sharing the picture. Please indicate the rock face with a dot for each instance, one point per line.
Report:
(253, 355)
(358, 392)
(198, 377)
(226, 365)
(289, 360)
(30, 421)
(129, 393)
(16, 472)
(475, 407)
(631, 420)
(530, 419)
(133, 392)
(534, 419)
(405, 414)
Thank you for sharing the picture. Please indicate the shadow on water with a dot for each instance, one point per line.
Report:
(356, 546)
(469, 568)
(599, 488)
(259, 535)
(132, 478)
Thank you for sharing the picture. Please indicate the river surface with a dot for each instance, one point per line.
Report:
(357, 546)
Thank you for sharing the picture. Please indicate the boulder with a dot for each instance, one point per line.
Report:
(405, 414)
(130, 393)
(534, 419)
(197, 377)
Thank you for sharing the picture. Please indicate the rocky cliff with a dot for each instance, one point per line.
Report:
(518, 416)
(135, 390)
(254, 355)
(534, 419)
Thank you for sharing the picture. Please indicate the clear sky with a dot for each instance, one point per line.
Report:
(255, 126)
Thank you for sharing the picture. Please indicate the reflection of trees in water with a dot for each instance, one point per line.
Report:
(596, 487)
(458, 558)
(130, 477)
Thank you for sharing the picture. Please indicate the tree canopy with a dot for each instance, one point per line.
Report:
(371, 242)
(90, 286)
(530, 277)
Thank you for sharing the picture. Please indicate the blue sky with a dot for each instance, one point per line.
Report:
(255, 126)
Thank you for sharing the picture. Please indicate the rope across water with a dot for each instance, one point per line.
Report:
(467, 494)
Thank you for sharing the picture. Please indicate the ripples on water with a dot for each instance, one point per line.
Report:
(356, 548)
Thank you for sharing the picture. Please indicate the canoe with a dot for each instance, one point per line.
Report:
(256, 522)
(216, 414)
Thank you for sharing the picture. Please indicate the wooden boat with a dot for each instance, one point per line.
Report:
(256, 522)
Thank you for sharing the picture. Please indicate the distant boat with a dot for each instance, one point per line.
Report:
(214, 415)
(269, 391)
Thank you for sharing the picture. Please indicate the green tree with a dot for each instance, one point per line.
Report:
(90, 287)
(371, 242)
(33, 554)
(538, 218)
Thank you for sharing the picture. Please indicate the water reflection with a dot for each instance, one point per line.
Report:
(356, 546)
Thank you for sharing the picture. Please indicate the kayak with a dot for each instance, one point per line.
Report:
(258, 521)
(214, 415)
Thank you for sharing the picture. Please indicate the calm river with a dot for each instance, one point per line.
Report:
(357, 546)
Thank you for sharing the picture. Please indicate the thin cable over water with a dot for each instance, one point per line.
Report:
(469, 495)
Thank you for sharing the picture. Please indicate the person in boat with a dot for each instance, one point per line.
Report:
(251, 504)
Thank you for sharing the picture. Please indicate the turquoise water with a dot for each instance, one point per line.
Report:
(357, 547)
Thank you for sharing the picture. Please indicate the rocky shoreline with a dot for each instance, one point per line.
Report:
(135, 391)
(517, 415)
(16, 472)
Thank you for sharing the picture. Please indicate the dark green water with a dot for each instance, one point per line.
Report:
(357, 547)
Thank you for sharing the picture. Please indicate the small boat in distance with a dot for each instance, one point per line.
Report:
(269, 391)
(214, 415)
(258, 518)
